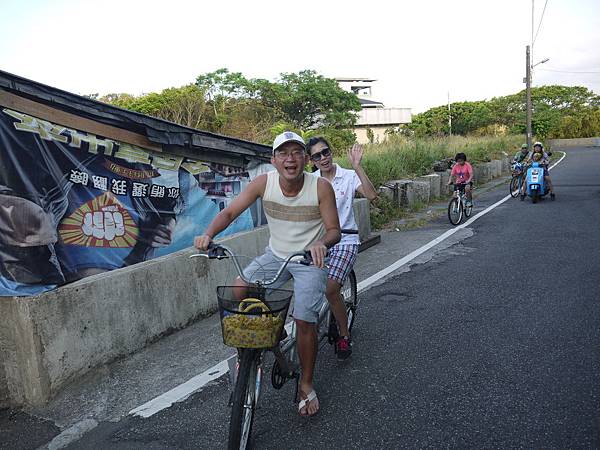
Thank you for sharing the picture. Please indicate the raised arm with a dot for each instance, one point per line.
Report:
(366, 188)
(243, 201)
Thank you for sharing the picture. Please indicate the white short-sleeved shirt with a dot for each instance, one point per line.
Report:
(345, 183)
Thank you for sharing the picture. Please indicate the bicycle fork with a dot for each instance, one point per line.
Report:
(234, 367)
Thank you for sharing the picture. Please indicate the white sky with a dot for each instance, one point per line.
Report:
(418, 50)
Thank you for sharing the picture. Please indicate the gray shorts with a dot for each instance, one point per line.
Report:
(309, 283)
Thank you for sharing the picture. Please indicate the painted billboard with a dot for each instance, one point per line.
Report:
(73, 204)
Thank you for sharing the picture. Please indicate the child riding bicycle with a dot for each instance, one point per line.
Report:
(462, 174)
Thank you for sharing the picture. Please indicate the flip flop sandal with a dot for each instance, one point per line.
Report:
(312, 395)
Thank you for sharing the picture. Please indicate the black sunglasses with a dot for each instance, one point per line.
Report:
(322, 154)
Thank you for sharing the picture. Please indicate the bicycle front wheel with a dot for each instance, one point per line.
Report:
(350, 294)
(244, 399)
(515, 186)
(455, 211)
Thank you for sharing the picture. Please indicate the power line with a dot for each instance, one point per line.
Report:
(540, 24)
(568, 71)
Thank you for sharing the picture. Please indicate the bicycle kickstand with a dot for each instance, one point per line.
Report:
(297, 388)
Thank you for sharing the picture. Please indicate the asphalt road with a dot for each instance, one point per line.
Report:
(492, 343)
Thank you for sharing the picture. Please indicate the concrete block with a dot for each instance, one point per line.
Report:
(444, 178)
(435, 181)
(363, 218)
(505, 166)
(486, 173)
(387, 191)
(478, 174)
(406, 193)
(496, 168)
(417, 192)
(396, 190)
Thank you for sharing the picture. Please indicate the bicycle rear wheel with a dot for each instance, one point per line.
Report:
(350, 294)
(468, 209)
(455, 211)
(244, 399)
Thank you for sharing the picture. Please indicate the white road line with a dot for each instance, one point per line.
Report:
(181, 392)
(193, 385)
(411, 256)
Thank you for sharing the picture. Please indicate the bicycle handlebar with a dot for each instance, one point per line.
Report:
(218, 251)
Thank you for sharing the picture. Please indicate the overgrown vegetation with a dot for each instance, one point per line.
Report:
(401, 157)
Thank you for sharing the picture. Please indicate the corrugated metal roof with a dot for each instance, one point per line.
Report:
(171, 135)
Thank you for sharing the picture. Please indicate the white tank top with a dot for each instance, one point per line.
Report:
(294, 222)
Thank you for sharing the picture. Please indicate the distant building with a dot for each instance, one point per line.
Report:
(374, 115)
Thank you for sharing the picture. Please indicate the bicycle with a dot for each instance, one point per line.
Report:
(517, 180)
(248, 371)
(458, 205)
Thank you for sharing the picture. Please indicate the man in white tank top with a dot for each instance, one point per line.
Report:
(302, 215)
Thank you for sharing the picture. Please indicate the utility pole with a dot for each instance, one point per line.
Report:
(528, 101)
(449, 115)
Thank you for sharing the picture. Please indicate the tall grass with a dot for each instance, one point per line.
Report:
(401, 157)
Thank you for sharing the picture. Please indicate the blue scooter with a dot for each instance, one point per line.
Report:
(535, 187)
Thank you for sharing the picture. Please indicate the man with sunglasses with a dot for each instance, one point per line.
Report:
(342, 257)
(301, 215)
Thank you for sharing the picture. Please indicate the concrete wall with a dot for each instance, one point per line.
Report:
(407, 193)
(5, 343)
(48, 340)
(582, 142)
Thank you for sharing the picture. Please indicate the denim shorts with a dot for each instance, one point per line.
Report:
(309, 283)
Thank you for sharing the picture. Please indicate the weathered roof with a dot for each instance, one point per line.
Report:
(345, 79)
(365, 102)
(172, 137)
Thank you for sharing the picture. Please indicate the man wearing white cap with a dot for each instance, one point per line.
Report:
(302, 215)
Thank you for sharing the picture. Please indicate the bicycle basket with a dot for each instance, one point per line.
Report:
(257, 320)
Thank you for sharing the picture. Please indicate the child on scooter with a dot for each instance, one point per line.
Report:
(544, 160)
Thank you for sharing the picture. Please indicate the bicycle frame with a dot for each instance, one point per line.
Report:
(287, 346)
(461, 195)
(248, 363)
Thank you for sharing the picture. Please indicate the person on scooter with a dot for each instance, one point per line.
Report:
(544, 161)
(462, 173)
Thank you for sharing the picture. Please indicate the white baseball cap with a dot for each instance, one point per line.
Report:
(287, 136)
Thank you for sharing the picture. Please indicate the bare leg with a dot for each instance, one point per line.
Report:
(336, 303)
(240, 289)
(549, 183)
(468, 192)
(307, 351)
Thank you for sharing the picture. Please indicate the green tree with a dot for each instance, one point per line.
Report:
(229, 103)
(550, 105)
